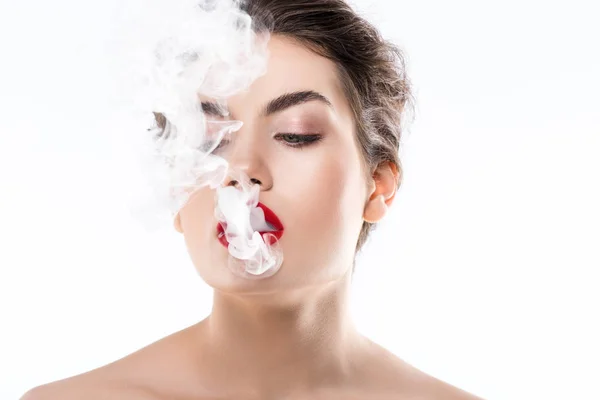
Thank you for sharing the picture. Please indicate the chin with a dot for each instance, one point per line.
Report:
(286, 280)
(300, 269)
(220, 278)
(291, 279)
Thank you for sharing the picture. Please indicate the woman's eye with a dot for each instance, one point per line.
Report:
(295, 140)
(290, 139)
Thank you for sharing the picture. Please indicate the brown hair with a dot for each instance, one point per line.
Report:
(372, 71)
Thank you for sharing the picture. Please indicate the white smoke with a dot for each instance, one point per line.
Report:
(176, 51)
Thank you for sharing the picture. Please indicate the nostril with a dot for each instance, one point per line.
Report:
(236, 184)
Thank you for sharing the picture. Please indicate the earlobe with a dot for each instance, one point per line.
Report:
(382, 193)
(177, 223)
(375, 209)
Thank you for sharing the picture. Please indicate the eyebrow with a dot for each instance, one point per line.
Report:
(276, 105)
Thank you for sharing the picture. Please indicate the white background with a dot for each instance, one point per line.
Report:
(483, 275)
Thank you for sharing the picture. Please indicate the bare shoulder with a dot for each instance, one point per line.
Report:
(434, 388)
(86, 386)
(127, 377)
(397, 379)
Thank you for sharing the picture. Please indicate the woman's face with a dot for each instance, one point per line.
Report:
(318, 191)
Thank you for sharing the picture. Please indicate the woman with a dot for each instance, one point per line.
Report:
(331, 102)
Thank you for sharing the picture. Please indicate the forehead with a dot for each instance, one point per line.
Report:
(291, 67)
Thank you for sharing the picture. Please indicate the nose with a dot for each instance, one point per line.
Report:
(247, 160)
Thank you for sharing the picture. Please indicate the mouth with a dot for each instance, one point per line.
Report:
(274, 223)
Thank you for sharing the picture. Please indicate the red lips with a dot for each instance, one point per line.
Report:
(270, 217)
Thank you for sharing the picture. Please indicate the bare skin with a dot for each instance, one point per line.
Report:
(169, 370)
(288, 336)
(198, 363)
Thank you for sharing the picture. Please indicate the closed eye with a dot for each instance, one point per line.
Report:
(290, 139)
(298, 141)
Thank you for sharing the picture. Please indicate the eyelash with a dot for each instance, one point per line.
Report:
(305, 140)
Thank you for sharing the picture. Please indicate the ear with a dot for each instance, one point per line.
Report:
(177, 223)
(382, 191)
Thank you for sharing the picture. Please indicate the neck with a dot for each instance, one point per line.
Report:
(269, 346)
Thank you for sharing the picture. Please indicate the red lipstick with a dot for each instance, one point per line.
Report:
(271, 219)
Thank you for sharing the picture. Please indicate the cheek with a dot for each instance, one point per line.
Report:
(327, 209)
(196, 221)
(341, 194)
